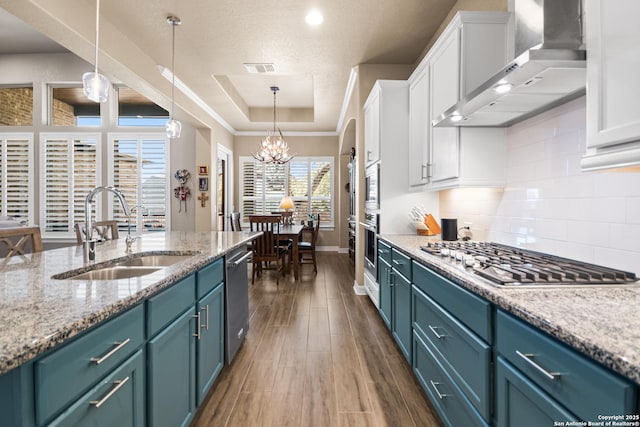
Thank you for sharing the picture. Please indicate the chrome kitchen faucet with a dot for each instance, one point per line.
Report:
(89, 244)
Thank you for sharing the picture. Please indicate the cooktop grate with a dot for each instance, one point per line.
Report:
(511, 266)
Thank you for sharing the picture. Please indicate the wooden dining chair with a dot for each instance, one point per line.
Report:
(307, 249)
(265, 250)
(20, 241)
(102, 230)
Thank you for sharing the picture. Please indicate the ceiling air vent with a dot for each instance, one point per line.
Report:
(257, 68)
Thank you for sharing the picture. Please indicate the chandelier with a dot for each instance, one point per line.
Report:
(273, 148)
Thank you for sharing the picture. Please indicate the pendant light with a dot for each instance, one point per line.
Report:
(95, 85)
(173, 126)
(273, 148)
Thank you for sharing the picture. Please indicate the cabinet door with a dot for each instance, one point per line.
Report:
(445, 91)
(384, 277)
(171, 373)
(419, 129)
(117, 400)
(520, 403)
(613, 65)
(372, 130)
(210, 346)
(401, 312)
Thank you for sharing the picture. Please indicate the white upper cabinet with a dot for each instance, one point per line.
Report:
(472, 47)
(372, 128)
(419, 127)
(613, 84)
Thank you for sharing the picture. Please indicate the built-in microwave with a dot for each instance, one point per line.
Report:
(372, 187)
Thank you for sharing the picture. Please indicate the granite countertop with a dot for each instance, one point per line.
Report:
(38, 312)
(600, 322)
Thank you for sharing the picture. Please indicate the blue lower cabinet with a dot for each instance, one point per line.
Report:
(465, 356)
(384, 281)
(454, 408)
(520, 403)
(401, 312)
(171, 387)
(210, 345)
(117, 400)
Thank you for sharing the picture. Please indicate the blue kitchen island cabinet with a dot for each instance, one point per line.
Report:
(186, 356)
(150, 365)
(210, 341)
(117, 400)
(172, 386)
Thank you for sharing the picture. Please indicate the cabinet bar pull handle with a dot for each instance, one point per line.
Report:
(425, 172)
(118, 346)
(198, 325)
(435, 388)
(553, 376)
(392, 276)
(206, 322)
(384, 251)
(239, 261)
(118, 385)
(433, 329)
(396, 262)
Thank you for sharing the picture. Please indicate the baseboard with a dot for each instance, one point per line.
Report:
(359, 289)
(343, 250)
(327, 249)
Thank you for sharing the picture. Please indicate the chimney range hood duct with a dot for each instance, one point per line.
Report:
(549, 69)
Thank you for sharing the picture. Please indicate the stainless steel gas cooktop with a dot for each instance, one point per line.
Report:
(514, 267)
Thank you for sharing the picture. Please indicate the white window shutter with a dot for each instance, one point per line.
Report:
(17, 176)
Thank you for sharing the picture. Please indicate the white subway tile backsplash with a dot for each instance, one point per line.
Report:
(549, 204)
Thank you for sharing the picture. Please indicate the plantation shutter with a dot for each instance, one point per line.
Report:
(138, 167)
(16, 176)
(68, 173)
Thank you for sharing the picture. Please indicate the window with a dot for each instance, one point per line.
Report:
(138, 166)
(308, 180)
(69, 106)
(16, 106)
(16, 176)
(68, 170)
(136, 110)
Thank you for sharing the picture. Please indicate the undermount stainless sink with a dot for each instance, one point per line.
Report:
(153, 261)
(136, 265)
(114, 273)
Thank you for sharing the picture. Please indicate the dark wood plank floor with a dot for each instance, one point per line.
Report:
(316, 355)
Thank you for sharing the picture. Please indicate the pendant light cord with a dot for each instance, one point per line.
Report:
(274, 110)
(173, 69)
(97, 31)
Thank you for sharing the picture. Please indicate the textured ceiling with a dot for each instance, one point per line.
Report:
(217, 37)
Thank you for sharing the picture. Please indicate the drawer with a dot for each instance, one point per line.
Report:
(169, 304)
(209, 277)
(120, 399)
(454, 409)
(470, 309)
(68, 372)
(384, 251)
(520, 403)
(401, 263)
(584, 387)
(465, 356)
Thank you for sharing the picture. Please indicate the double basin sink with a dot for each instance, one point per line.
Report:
(136, 265)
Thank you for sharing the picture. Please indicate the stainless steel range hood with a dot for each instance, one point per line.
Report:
(549, 68)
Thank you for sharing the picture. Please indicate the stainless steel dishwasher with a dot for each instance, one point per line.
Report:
(236, 294)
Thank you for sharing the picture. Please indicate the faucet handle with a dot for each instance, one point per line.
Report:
(129, 242)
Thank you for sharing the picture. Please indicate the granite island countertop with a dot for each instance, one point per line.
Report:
(38, 312)
(598, 321)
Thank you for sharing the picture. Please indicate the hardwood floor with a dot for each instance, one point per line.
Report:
(316, 355)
